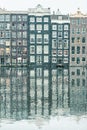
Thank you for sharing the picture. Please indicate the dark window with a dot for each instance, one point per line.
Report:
(73, 58)
(73, 82)
(83, 82)
(78, 71)
(73, 73)
(83, 50)
(73, 39)
(78, 60)
(78, 82)
(83, 40)
(78, 50)
(73, 50)
(83, 58)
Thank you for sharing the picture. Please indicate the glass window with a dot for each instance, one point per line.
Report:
(32, 58)
(73, 73)
(73, 82)
(24, 17)
(13, 17)
(66, 44)
(24, 34)
(59, 27)
(65, 60)
(78, 82)
(46, 19)
(19, 18)
(78, 39)
(83, 82)
(54, 27)
(73, 50)
(46, 27)
(2, 26)
(19, 34)
(73, 39)
(7, 26)
(83, 58)
(73, 30)
(32, 73)
(7, 34)
(78, 21)
(39, 72)
(39, 27)
(32, 38)
(32, 19)
(46, 50)
(39, 59)
(2, 17)
(46, 38)
(78, 30)
(32, 27)
(65, 52)
(39, 49)
(83, 30)
(73, 58)
(54, 34)
(83, 40)
(46, 59)
(83, 49)
(78, 50)
(66, 27)
(39, 19)
(59, 34)
(54, 43)
(54, 60)
(39, 38)
(32, 49)
(78, 60)
(13, 34)
(78, 71)
(7, 17)
(66, 34)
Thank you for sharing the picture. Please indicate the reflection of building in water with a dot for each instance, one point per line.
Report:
(78, 90)
(13, 93)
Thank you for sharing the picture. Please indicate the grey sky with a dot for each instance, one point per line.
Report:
(65, 6)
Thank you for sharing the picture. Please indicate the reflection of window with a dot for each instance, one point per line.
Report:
(83, 40)
(78, 50)
(78, 60)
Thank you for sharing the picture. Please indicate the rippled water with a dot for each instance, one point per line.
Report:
(43, 98)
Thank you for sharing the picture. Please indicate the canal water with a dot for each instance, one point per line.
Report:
(43, 98)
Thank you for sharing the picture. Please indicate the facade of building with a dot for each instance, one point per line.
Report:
(78, 39)
(60, 39)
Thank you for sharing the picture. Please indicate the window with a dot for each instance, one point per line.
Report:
(73, 58)
(78, 71)
(19, 34)
(66, 34)
(39, 59)
(83, 58)
(83, 30)
(13, 34)
(39, 49)
(32, 38)
(13, 17)
(59, 34)
(78, 21)
(39, 19)
(46, 50)
(73, 50)
(73, 21)
(78, 60)
(46, 38)
(54, 27)
(78, 50)
(54, 44)
(78, 39)
(66, 44)
(46, 59)
(83, 49)
(19, 18)
(39, 72)
(54, 34)
(39, 27)
(73, 30)
(39, 38)
(46, 19)
(46, 27)
(78, 31)
(24, 17)
(83, 82)
(7, 17)
(73, 82)
(54, 60)
(24, 34)
(83, 40)
(65, 60)
(32, 58)
(78, 82)
(73, 73)
(73, 39)
(32, 19)
(2, 17)
(66, 27)
(32, 27)
(7, 34)
(59, 27)
(32, 49)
